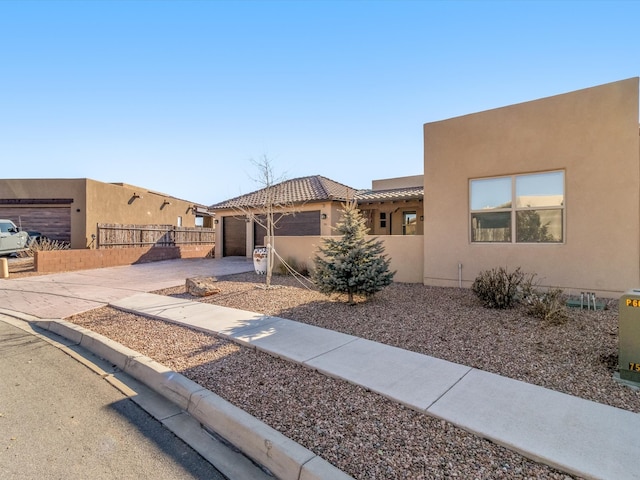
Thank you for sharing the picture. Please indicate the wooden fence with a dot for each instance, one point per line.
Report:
(125, 236)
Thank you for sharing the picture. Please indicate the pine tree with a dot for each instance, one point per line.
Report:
(352, 264)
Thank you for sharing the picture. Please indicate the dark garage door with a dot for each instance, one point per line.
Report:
(53, 222)
(301, 224)
(234, 237)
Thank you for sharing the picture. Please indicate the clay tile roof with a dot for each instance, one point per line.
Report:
(391, 194)
(299, 190)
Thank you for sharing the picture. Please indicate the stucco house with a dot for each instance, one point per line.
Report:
(391, 206)
(313, 202)
(70, 209)
(551, 186)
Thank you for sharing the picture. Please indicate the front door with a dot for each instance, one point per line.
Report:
(234, 237)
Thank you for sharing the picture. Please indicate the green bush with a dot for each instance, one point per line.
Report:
(498, 288)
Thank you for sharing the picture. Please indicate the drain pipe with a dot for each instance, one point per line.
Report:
(459, 275)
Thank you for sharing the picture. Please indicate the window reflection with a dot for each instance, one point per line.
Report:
(491, 193)
(409, 224)
(491, 227)
(540, 190)
(535, 226)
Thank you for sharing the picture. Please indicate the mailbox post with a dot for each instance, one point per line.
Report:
(629, 336)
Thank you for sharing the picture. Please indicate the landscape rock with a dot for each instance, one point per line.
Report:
(202, 286)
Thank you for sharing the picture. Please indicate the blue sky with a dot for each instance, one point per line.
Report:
(179, 96)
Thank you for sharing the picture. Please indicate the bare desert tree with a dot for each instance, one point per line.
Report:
(270, 205)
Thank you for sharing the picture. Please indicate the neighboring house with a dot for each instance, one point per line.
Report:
(394, 206)
(311, 204)
(70, 209)
(551, 186)
(391, 207)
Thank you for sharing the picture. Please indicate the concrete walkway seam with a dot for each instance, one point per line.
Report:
(286, 459)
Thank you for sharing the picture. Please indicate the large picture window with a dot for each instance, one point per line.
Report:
(518, 208)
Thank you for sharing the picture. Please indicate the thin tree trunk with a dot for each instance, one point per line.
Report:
(270, 232)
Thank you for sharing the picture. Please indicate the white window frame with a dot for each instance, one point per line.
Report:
(513, 209)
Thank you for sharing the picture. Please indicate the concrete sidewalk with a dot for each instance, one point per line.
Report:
(578, 436)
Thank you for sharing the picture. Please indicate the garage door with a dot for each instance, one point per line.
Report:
(52, 221)
(234, 237)
(300, 225)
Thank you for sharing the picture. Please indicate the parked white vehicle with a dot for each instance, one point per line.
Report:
(12, 240)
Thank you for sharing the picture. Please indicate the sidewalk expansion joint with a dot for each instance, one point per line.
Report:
(328, 351)
(426, 410)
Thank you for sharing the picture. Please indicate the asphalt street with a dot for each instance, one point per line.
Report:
(59, 420)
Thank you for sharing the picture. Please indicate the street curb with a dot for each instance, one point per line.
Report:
(284, 458)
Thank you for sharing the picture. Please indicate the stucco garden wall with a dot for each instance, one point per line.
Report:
(405, 253)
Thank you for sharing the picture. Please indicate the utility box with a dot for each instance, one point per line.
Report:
(629, 336)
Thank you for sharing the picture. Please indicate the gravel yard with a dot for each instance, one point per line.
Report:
(361, 432)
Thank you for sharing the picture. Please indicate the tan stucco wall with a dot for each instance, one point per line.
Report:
(592, 135)
(97, 202)
(398, 182)
(405, 253)
(114, 203)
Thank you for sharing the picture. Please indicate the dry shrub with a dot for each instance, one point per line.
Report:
(549, 306)
(498, 288)
(43, 244)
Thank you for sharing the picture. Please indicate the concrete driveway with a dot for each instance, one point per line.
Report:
(61, 295)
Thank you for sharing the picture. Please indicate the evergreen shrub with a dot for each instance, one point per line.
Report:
(351, 263)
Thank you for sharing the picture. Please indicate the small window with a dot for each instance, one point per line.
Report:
(383, 220)
(530, 205)
(179, 222)
(409, 224)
